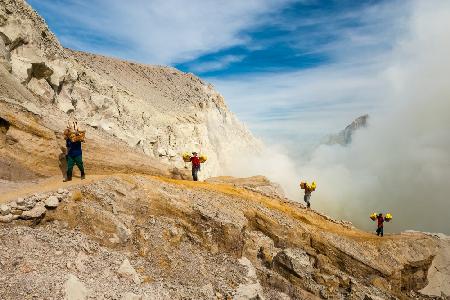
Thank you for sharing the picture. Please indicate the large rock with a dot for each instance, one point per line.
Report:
(5, 56)
(36, 212)
(64, 100)
(127, 271)
(52, 202)
(74, 289)
(8, 218)
(294, 260)
(249, 292)
(4, 209)
(439, 273)
(41, 88)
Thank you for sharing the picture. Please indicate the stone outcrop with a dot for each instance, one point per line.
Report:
(344, 137)
(159, 111)
(127, 271)
(176, 239)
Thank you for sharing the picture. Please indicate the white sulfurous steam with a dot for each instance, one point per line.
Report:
(400, 163)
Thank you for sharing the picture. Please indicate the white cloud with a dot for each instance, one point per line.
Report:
(218, 64)
(159, 31)
(303, 105)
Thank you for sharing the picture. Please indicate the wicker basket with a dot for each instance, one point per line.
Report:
(186, 157)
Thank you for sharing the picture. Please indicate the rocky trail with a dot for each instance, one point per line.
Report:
(224, 239)
(11, 191)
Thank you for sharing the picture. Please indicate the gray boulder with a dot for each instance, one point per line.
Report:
(4, 209)
(8, 218)
(52, 202)
(294, 260)
(37, 212)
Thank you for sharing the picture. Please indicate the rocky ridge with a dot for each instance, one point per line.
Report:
(150, 237)
(159, 111)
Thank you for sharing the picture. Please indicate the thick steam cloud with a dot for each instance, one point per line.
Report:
(401, 162)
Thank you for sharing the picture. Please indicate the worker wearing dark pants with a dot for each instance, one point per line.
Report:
(307, 197)
(74, 157)
(380, 221)
(195, 173)
(195, 166)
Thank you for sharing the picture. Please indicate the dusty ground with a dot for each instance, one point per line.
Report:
(201, 240)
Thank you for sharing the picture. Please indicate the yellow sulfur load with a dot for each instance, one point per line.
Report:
(388, 217)
(75, 136)
(186, 157)
(202, 158)
(305, 185)
(373, 216)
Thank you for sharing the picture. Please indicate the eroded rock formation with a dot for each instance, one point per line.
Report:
(160, 111)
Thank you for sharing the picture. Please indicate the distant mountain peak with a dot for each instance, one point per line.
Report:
(344, 137)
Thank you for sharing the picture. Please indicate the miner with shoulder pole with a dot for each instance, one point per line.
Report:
(196, 161)
(309, 188)
(380, 219)
(74, 155)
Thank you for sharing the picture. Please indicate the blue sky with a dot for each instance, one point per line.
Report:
(291, 69)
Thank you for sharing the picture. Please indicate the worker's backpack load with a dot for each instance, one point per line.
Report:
(75, 135)
(202, 158)
(373, 216)
(305, 185)
(186, 157)
(388, 217)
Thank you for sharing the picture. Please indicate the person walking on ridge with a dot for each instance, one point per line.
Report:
(308, 190)
(195, 160)
(74, 152)
(380, 221)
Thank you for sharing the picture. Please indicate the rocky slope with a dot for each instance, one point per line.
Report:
(150, 237)
(135, 228)
(159, 111)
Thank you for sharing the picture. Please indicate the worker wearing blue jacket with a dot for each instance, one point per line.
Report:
(74, 157)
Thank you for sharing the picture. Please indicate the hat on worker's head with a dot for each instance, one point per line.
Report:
(194, 153)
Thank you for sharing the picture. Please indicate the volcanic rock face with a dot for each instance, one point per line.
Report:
(344, 137)
(160, 111)
(159, 238)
